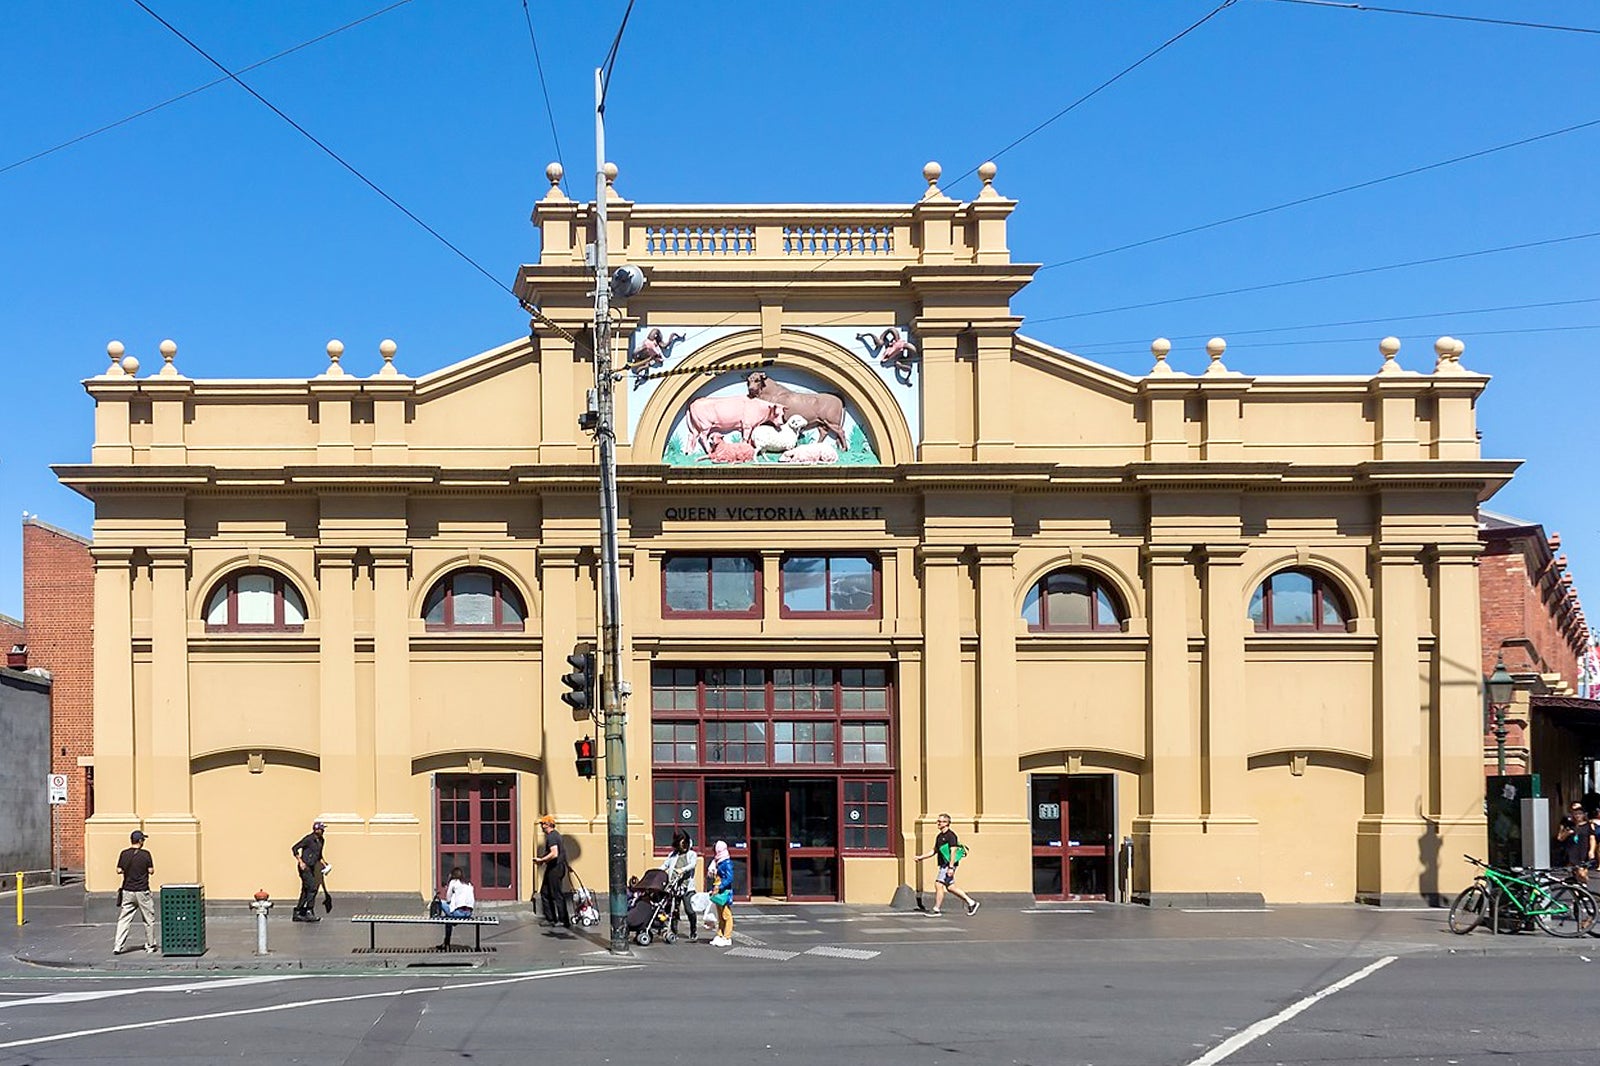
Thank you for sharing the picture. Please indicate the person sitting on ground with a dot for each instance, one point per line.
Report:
(458, 900)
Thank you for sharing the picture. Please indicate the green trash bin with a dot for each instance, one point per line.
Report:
(183, 920)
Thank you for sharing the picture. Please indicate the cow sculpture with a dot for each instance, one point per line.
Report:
(823, 411)
(724, 414)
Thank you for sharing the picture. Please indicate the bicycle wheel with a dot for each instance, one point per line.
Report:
(1469, 910)
(1573, 911)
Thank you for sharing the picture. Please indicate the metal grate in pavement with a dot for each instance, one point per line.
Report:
(842, 953)
(421, 951)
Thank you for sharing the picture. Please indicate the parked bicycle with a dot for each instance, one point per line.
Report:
(1512, 899)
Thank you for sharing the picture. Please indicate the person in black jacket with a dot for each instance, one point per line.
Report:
(135, 865)
(553, 892)
(307, 853)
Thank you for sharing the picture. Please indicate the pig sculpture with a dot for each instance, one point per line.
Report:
(725, 414)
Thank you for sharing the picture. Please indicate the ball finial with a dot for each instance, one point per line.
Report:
(130, 365)
(1390, 347)
(115, 350)
(987, 171)
(610, 171)
(1456, 347)
(169, 349)
(1159, 348)
(931, 172)
(335, 350)
(1444, 346)
(387, 348)
(1215, 347)
(554, 172)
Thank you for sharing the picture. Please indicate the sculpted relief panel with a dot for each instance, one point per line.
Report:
(781, 416)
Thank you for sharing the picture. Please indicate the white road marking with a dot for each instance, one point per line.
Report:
(1225, 910)
(802, 932)
(112, 993)
(842, 953)
(1057, 910)
(571, 971)
(1266, 1025)
(747, 939)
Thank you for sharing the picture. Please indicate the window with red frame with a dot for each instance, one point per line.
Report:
(255, 601)
(1072, 600)
(1298, 601)
(474, 600)
(829, 586)
(866, 814)
(727, 586)
(675, 805)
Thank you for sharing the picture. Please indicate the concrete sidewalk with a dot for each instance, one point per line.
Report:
(57, 936)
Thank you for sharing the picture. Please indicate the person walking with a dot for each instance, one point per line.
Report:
(307, 852)
(680, 866)
(948, 850)
(459, 899)
(1577, 836)
(553, 892)
(720, 882)
(135, 865)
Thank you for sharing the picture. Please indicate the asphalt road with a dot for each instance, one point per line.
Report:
(944, 999)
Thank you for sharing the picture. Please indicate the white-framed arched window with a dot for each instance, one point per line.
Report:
(474, 599)
(255, 601)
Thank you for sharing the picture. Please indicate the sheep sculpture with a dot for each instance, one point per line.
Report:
(778, 439)
(729, 451)
(818, 452)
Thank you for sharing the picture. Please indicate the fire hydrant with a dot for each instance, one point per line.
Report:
(262, 904)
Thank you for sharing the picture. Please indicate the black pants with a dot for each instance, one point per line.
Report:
(308, 891)
(553, 895)
(681, 906)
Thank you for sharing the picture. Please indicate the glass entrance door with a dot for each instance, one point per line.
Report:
(1073, 820)
(727, 813)
(477, 828)
(782, 834)
(813, 842)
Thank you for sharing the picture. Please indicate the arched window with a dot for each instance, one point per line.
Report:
(1073, 600)
(474, 599)
(255, 601)
(1298, 601)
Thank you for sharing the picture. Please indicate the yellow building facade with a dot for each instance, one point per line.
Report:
(1191, 638)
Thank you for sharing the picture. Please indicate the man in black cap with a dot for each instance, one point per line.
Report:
(135, 865)
(307, 853)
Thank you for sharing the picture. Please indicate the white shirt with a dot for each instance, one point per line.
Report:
(458, 895)
(681, 864)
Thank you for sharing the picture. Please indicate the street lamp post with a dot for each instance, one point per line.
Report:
(1501, 686)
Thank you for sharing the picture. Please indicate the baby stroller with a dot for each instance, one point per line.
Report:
(584, 912)
(651, 898)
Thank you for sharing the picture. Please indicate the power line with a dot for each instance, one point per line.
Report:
(1325, 277)
(336, 157)
(543, 88)
(1369, 183)
(611, 57)
(1092, 93)
(1345, 322)
(1442, 15)
(199, 89)
(1130, 68)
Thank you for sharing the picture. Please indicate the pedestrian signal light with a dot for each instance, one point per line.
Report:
(585, 751)
(580, 684)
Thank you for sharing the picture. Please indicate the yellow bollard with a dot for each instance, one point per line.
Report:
(19, 897)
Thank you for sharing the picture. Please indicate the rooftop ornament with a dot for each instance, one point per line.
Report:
(130, 364)
(169, 352)
(987, 171)
(930, 173)
(1159, 348)
(1390, 347)
(335, 353)
(115, 351)
(1449, 350)
(387, 348)
(1214, 348)
(554, 173)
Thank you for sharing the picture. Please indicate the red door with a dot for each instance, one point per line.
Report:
(477, 831)
(1073, 819)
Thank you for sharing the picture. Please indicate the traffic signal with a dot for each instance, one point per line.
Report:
(580, 684)
(585, 751)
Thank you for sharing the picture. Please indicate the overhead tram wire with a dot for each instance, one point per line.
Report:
(1366, 8)
(368, 182)
(1082, 348)
(1118, 76)
(545, 89)
(1326, 277)
(611, 57)
(200, 89)
(1314, 197)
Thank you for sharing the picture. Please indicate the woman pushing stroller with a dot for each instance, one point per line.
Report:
(680, 867)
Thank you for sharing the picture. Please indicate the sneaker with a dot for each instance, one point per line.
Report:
(936, 911)
(721, 942)
(151, 949)
(972, 908)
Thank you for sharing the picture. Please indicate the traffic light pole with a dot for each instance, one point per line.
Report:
(612, 691)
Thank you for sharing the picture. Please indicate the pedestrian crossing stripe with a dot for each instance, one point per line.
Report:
(762, 953)
(842, 953)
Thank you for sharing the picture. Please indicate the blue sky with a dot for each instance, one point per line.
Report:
(214, 223)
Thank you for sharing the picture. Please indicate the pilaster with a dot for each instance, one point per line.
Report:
(1222, 436)
(116, 806)
(1000, 784)
(570, 798)
(1389, 862)
(112, 417)
(1234, 846)
(558, 387)
(1395, 402)
(940, 439)
(948, 735)
(338, 716)
(169, 396)
(1166, 437)
(996, 438)
(1457, 722)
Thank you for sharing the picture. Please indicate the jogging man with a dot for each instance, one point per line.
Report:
(948, 850)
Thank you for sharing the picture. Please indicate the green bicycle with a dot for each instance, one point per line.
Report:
(1502, 898)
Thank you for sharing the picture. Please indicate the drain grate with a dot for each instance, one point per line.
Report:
(452, 950)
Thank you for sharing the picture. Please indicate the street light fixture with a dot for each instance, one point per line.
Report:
(1501, 686)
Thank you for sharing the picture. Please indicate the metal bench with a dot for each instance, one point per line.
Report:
(375, 920)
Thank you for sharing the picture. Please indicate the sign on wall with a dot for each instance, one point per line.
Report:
(57, 786)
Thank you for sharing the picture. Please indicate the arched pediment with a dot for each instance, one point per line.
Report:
(805, 363)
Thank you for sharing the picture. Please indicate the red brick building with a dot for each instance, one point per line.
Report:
(57, 630)
(1534, 622)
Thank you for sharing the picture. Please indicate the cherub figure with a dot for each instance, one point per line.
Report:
(892, 350)
(651, 353)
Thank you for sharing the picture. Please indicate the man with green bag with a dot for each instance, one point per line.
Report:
(949, 851)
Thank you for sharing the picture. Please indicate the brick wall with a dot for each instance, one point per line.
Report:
(1526, 616)
(58, 616)
(11, 632)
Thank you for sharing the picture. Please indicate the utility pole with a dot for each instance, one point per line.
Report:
(613, 691)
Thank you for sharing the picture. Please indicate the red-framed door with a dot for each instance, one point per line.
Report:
(782, 834)
(1073, 824)
(476, 829)
(811, 858)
